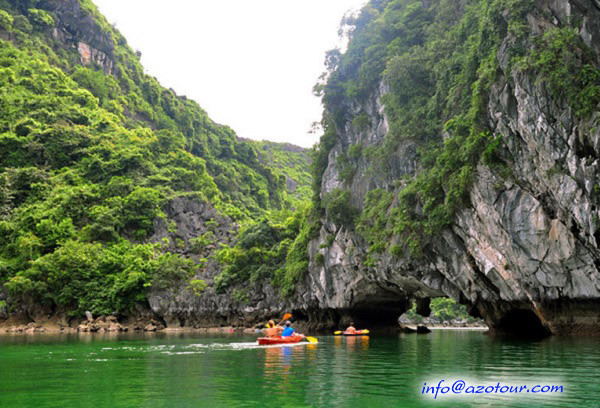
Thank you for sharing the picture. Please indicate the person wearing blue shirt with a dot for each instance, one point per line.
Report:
(288, 330)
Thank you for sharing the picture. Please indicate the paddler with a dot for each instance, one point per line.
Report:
(288, 330)
(273, 330)
(351, 329)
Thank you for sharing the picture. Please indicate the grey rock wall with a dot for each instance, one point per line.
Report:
(179, 306)
(76, 29)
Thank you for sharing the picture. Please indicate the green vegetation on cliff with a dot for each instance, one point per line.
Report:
(567, 64)
(291, 162)
(270, 252)
(437, 61)
(91, 150)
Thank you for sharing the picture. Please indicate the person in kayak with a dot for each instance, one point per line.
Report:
(351, 329)
(288, 330)
(273, 330)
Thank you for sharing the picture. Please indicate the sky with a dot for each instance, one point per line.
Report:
(251, 64)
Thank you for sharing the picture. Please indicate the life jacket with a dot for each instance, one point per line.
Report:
(288, 331)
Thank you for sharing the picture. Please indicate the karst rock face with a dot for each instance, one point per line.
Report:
(77, 29)
(525, 253)
(180, 306)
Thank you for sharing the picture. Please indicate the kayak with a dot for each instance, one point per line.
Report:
(265, 341)
(358, 333)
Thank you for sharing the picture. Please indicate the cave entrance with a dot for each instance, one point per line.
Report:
(381, 316)
(522, 323)
(376, 318)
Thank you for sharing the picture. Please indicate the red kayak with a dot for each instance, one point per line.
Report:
(265, 341)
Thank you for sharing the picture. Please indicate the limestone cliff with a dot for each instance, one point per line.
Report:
(524, 252)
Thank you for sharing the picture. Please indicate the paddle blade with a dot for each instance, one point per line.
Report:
(337, 332)
(286, 316)
(365, 332)
(311, 339)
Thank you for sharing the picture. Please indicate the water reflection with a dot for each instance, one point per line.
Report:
(282, 368)
(280, 359)
(354, 342)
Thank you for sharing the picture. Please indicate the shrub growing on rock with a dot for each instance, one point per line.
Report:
(22, 23)
(41, 19)
(338, 208)
(6, 20)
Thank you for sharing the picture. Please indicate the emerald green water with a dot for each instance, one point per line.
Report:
(192, 370)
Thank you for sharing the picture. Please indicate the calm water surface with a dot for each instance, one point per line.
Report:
(194, 370)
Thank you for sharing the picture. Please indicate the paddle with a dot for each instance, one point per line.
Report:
(285, 317)
(311, 339)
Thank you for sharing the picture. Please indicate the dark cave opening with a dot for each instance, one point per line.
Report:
(298, 315)
(522, 323)
(375, 318)
(423, 306)
(382, 317)
(597, 237)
